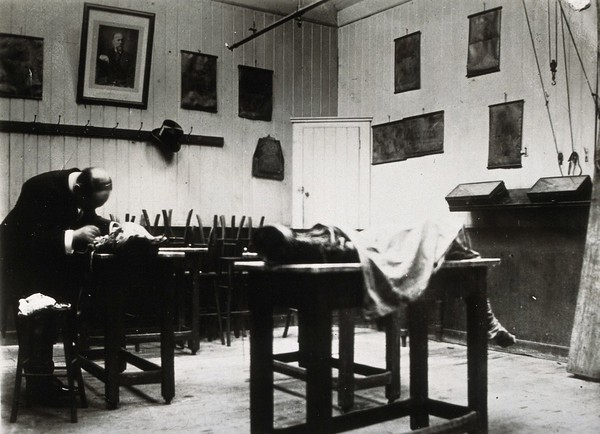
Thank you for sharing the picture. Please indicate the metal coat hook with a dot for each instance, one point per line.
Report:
(189, 134)
(253, 29)
(85, 128)
(33, 123)
(524, 152)
(112, 132)
(140, 130)
(58, 123)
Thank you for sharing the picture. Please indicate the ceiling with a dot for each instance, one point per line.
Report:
(324, 14)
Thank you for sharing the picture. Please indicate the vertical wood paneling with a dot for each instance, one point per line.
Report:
(210, 180)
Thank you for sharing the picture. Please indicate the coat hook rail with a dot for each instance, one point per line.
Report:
(60, 129)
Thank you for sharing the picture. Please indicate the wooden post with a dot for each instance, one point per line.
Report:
(584, 352)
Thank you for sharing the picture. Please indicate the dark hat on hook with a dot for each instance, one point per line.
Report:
(169, 135)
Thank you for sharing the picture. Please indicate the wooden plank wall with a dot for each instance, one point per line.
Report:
(210, 180)
(366, 88)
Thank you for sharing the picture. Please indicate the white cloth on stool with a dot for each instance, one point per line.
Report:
(36, 302)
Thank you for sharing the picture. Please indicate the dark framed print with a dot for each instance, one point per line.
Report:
(410, 137)
(506, 129)
(255, 93)
(21, 66)
(407, 63)
(387, 143)
(198, 81)
(115, 56)
(484, 42)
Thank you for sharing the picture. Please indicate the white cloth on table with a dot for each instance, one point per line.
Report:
(398, 261)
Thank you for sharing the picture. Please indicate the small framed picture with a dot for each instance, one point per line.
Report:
(21, 66)
(407, 63)
(115, 56)
(198, 81)
(506, 129)
(255, 93)
(484, 43)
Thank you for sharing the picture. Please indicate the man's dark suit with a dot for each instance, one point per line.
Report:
(119, 71)
(33, 257)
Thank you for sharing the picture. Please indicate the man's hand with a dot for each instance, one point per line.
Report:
(84, 236)
(104, 58)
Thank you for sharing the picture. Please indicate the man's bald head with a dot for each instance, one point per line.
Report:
(93, 187)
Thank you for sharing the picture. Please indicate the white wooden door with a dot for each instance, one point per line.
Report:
(331, 171)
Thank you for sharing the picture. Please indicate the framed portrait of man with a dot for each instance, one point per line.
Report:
(115, 56)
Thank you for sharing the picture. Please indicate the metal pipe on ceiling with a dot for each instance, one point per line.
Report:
(277, 23)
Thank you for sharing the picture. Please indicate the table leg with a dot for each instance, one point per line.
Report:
(392, 355)
(346, 360)
(318, 366)
(167, 336)
(477, 348)
(195, 340)
(417, 329)
(261, 362)
(114, 336)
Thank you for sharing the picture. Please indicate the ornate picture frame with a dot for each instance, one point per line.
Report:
(483, 56)
(115, 56)
(22, 66)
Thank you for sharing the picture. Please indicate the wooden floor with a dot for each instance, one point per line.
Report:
(526, 394)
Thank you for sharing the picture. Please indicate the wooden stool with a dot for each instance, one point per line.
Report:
(64, 318)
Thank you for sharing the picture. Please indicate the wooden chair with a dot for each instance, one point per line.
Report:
(173, 239)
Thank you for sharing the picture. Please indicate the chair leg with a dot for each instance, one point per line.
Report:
(288, 320)
(69, 365)
(218, 307)
(17, 391)
(228, 316)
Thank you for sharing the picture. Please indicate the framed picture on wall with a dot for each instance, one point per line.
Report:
(410, 137)
(506, 128)
(407, 62)
(115, 56)
(484, 42)
(255, 93)
(21, 66)
(198, 81)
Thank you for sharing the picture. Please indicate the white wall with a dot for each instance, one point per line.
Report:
(210, 180)
(417, 187)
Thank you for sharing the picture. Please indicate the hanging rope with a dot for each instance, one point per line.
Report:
(537, 62)
(553, 61)
(564, 17)
(567, 85)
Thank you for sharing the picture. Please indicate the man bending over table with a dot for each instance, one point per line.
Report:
(54, 218)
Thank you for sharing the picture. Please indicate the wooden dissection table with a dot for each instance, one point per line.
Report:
(318, 289)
